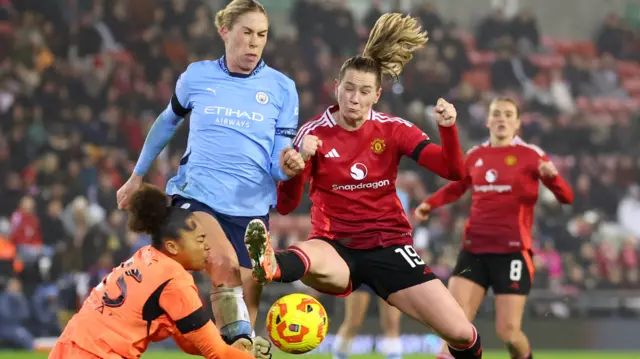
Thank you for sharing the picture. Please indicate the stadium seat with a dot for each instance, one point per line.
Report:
(478, 79)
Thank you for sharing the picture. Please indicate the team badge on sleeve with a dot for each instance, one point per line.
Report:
(378, 146)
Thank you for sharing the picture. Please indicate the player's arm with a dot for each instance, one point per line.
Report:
(449, 193)
(286, 125)
(290, 192)
(446, 160)
(551, 179)
(198, 335)
(165, 125)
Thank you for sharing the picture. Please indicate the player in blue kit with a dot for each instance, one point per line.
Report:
(244, 115)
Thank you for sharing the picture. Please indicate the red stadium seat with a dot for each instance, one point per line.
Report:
(585, 48)
(481, 58)
(632, 85)
(478, 79)
(547, 62)
(628, 69)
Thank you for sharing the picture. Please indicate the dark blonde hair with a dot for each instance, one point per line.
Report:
(228, 16)
(507, 100)
(392, 42)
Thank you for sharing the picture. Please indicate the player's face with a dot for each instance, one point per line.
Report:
(193, 249)
(503, 121)
(357, 92)
(245, 41)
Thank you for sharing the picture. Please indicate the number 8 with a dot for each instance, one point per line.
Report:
(515, 272)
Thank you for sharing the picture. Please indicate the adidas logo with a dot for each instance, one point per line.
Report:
(332, 154)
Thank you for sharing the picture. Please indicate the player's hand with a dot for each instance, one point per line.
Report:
(127, 190)
(260, 348)
(291, 162)
(547, 169)
(445, 113)
(309, 146)
(423, 211)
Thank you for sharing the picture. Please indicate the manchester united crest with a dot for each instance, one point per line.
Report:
(510, 160)
(378, 146)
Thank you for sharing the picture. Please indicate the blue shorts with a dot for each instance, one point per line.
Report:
(233, 226)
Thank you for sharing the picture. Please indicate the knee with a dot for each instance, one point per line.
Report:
(506, 331)
(460, 334)
(224, 271)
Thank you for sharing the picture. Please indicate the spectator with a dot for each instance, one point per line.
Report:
(25, 231)
(14, 315)
(629, 211)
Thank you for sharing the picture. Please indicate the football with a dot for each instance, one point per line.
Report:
(297, 323)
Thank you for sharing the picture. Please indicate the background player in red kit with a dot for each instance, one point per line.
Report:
(503, 174)
(361, 234)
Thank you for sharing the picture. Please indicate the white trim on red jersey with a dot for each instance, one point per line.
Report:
(383, 117)
(322, 121)
(517, 141)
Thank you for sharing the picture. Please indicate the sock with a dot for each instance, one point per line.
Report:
(230, 312)
(341, 347)
(293, 264)
(391, 348)
(513, 353)
(444, 356)
(472, 350)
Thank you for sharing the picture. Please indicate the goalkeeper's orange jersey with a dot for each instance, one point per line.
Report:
(148, 298)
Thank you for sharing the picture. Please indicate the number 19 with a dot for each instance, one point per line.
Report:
(410, 255)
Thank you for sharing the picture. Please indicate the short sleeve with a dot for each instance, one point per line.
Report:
(287, 121)
(411, 139)
(180, 298)
(181, 101)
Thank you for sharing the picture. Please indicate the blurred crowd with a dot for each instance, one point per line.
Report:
(81, 82)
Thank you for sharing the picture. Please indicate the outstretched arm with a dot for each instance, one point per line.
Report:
(198, 335)
(165, 126)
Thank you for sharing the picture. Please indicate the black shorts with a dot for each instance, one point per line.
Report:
(385, 270)
(505, 273)
(233, 226)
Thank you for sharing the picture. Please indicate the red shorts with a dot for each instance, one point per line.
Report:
(67, 350)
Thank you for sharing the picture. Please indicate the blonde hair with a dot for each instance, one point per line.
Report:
(392, 42)
(228, 16)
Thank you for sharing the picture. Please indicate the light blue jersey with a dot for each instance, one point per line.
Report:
(238, 126)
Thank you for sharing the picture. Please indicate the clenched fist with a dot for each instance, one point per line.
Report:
(309, 146)
(445, 113)
(422, 212)
(547, 169)
(291, 162)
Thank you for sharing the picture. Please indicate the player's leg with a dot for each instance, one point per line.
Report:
(390, 324)
(227, 299)
(468, 285)
(514, 277)
(315, 262)
(355, 308)
(414, 290)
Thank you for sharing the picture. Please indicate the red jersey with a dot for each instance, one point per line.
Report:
(504, 183)
(353, 177)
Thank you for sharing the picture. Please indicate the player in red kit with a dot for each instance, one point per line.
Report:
(361, 234)
(503, 175)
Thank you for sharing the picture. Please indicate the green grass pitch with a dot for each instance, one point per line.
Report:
(488, 355)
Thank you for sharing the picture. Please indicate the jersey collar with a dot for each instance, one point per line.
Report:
(223, 65)
(516, 141)
(335, 108)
